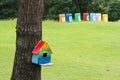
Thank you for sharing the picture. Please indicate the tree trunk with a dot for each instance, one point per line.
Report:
(28, 32)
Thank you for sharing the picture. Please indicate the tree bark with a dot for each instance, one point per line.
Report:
(28, 33)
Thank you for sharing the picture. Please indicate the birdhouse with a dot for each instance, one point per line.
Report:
(41, 53)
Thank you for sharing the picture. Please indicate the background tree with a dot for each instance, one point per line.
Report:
(83, 4)
(111, 7)
(55, 7)
(8, 9)
(28, 32)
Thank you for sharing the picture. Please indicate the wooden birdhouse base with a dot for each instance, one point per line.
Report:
(47, 64)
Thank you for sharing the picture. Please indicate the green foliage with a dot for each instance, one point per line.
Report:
(114, 11)
(55, 7)
(112, 7)
(8, 9)
(96, 6)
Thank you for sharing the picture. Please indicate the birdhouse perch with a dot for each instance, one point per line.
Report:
(42, 54)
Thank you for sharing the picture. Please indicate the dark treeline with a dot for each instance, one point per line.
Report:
(8, 8)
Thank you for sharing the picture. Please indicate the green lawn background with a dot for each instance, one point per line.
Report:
(81, 50)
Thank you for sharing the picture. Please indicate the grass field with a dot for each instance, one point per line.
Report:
(82, 50)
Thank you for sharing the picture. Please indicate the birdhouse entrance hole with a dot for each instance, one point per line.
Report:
(44, 54)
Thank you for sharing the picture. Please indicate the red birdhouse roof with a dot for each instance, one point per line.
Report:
(41, 45)
(38, 47)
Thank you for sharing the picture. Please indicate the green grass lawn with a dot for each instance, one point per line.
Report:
(81, 50)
